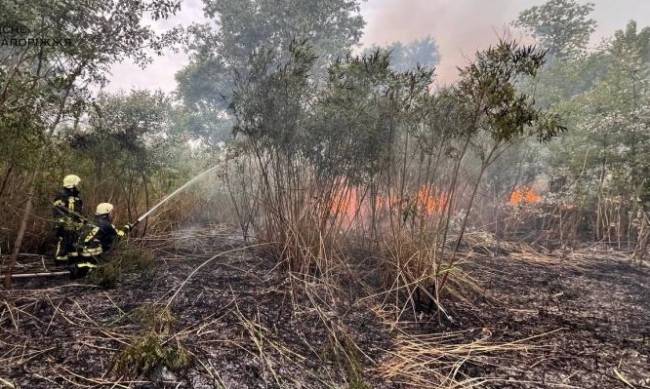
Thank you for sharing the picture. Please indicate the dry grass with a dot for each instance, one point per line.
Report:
(439, 360)
(142, 340)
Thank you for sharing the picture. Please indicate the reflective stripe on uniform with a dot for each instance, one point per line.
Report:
(71, 203)
(87, 265)
(91, 234)
(58, 248)
(91, 251)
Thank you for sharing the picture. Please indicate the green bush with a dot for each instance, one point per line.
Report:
(122, 261)
(149, 353)
(152, 350)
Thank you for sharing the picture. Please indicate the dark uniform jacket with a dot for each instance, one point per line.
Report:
(65, 203)
(101, 237)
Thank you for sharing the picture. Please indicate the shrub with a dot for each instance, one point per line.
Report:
(149, 353)
(123, 260)
(152, 351)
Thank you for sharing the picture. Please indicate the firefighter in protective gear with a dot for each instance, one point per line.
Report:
(67, 213)
(97, 240)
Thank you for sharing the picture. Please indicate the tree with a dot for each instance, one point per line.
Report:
(360, 114)
(128, 139)
(408, 56)
(603, 96)
(221, 51)
(563, 27)
(47, 82)
(367, 127)
(499, 113)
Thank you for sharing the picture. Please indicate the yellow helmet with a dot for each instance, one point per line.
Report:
(104, 209)
(70, 181)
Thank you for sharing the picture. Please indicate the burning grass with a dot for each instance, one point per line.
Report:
(355, 206)
(524, 195)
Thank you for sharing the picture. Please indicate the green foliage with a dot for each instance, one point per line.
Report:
(130, 132)
(409, 56)
(611, 116)
(245, 30)
(331, 26)
(562, 27)
(124, 260)
(46, 87)
(348, 129)
(269, 104)
(604, 97)
(53, 81)
(488, 86)
(359, 114)
(130, 143)
(148, 354)
(154, 318)
(151, 351)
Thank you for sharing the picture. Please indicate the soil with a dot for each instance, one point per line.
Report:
(577, 320)
(594, 305)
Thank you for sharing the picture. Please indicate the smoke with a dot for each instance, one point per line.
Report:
(160, 73)
(461, 27)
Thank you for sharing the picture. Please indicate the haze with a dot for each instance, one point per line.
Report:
(459, 27)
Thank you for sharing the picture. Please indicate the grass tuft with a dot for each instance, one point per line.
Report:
(149, 353)
(153, 350)
(124, 260)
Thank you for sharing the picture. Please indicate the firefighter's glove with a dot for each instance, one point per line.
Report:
(128, 228)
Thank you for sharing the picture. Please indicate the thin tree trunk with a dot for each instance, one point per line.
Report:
(21, 231)
(452, 192)
(643, 239)
(469, 210)
(6, 179)
(39, 169)
(463, 226)
(146, 203)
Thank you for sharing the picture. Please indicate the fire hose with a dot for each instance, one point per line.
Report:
(142, 217)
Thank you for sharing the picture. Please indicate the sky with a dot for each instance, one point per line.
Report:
(460, 27)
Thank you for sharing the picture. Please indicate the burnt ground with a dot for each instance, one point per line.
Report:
(535, 321)
(595, 307)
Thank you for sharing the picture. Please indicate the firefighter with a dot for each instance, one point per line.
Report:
(67, 213)
(97, 240)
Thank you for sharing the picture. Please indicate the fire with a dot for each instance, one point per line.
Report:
(350, 205)
(524, 195)
(346, 204)
(429, 203)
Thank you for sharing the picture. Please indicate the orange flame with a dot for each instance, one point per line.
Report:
(429, 203)
(346, 204)
(349, 204)
(524, 195)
